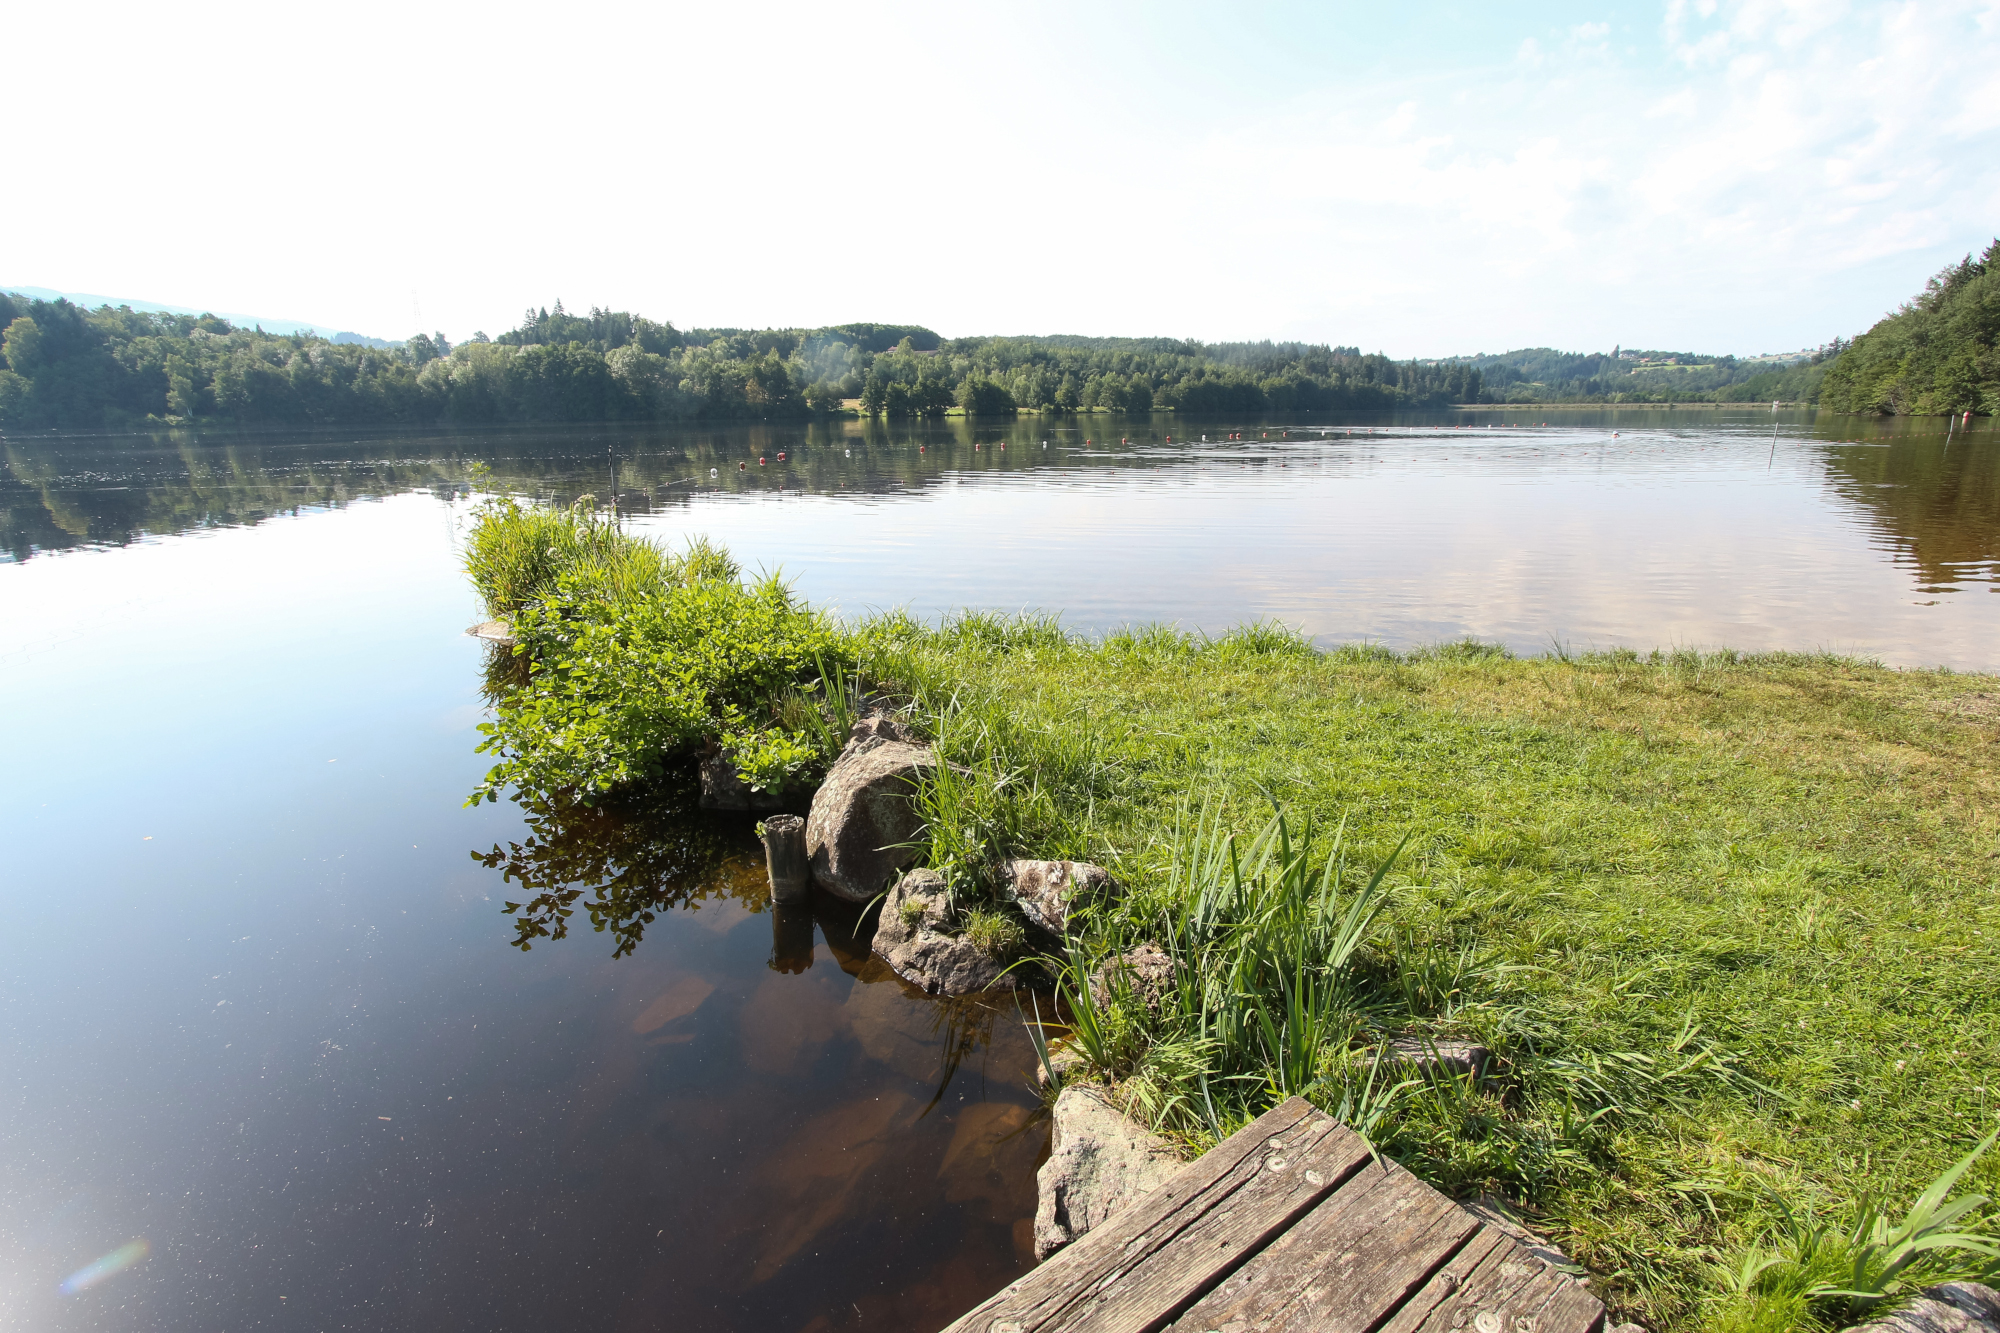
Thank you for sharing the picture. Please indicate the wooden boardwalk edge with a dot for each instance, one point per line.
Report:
(1291, 1225)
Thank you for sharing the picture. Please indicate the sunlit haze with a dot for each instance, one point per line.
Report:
(1423, 179)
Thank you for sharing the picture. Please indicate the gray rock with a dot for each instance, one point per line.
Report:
(1047, 890)
(884, 726)
(1451, 1056)
(910, 938)
(723, 788)
(1148, 969)
(1099, 1162)
(1955, 1307)
(494, 632)
(862, 813)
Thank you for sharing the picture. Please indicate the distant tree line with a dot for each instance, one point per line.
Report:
(65, 366)
(1545, 375)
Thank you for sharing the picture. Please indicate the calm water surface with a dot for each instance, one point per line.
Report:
(266, 1040)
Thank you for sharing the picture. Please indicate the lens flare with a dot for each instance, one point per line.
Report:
(94, 1272)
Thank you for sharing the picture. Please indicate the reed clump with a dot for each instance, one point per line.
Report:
(519, 555)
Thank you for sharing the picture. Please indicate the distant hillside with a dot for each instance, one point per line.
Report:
(91, 301)
(1936, 354)
(1627, 375)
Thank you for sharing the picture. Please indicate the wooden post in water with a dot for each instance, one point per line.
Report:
(785, 859)
(791, 939)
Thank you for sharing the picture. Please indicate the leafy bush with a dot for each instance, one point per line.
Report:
(636, 656)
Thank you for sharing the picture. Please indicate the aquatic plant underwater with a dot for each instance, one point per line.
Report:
(1654, 888)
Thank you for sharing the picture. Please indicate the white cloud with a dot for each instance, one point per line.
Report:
(1750, 174)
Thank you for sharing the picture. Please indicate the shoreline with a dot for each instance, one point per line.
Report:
(1654, 888)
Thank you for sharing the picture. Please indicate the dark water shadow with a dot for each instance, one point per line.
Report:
(625, 860)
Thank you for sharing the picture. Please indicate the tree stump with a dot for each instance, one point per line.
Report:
(785, 859)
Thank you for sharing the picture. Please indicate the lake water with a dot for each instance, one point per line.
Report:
(268, 1051)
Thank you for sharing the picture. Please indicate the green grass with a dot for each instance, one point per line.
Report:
(1728, 920)
(994, 933)
(517, 556)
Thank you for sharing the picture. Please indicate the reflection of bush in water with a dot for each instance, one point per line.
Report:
(646, 852)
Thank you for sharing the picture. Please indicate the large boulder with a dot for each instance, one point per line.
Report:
(863, 814)
(1099, 1161)
(1047, 891)
(1955, 1307)
(911, 939)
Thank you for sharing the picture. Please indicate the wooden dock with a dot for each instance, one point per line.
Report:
(1291, 1225)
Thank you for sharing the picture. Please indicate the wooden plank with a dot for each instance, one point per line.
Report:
(1346, 1266)
(1496, 1284)
(1147, 1263)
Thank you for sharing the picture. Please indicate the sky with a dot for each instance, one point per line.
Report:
(1424, 179)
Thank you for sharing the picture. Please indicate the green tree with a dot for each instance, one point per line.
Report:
(22, 346)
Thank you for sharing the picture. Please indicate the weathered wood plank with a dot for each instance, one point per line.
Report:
(1298, 1171)
(1147, 1263)
(1291, 1226)
(1448, 1281)
(1493, 1283)
(1344, 1267)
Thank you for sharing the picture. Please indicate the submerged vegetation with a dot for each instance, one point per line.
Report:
(1725, 923)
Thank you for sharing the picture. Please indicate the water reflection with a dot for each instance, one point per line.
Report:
(1935, 504)
(1614, 527)
(791, 939)
(329, 1095)
(637, 854)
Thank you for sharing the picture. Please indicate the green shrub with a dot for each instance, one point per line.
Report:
(636, 657)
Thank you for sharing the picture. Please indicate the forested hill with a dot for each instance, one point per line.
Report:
(1936, 354)
(63, 366)
(1628, 375)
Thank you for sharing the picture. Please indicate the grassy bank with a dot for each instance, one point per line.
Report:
(1727, 922)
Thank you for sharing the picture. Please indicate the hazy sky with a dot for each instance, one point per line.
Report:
(1417, 178)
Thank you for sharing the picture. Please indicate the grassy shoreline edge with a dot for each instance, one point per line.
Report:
(1726, 920)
